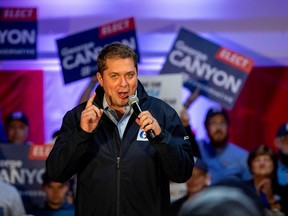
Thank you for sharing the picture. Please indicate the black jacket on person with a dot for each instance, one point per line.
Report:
(125, 177)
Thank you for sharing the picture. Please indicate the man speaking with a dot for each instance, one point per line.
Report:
(119, 171)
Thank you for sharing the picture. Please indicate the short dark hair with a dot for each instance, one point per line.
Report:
(216, 111)
(115, 50)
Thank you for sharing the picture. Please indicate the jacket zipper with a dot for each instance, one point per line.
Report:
(118, 175)
(118, 186)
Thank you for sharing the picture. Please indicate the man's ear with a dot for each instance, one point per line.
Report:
(100, 78)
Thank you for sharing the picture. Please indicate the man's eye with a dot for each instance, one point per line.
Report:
(130, 75)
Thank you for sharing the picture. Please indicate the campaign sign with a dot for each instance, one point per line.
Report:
(218, 72)
(18, 33)
(23, 167)
(78, 52)
(161, 87)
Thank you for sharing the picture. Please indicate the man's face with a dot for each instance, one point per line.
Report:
(119, 81)
(217, 129)
(17, 132)
(282, 144)
(55, 194)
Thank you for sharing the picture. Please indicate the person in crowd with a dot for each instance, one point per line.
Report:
(122, 168)
(10, 200)
(222, 157)
(17, 128)
(55, 202)
(281, 142)
(199, 180)
(227, 197)
(263, 165)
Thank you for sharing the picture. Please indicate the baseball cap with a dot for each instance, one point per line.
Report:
(282, 130)
(20, 116)
(216, 111)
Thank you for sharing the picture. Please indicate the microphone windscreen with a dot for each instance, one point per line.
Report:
(132, 99)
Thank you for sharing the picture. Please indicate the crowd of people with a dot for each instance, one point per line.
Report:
(121, 172)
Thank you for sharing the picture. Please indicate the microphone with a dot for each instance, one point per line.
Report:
(133, 102)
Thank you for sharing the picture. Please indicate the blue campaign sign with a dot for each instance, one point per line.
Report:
(218, 72)
(18, 33)
(23, 167)
(78, 52)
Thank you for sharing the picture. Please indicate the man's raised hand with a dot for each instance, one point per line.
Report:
(90, 116)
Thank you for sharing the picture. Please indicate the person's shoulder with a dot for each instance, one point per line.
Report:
(67, 206)
(8, 187)
(236, 148)
(155, 99)
(60, 212)
(202, 142)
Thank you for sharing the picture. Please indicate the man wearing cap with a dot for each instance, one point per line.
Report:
(281, 142)
(17, 128)
(223, 158)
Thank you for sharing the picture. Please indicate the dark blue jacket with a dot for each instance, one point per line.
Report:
(137, 183)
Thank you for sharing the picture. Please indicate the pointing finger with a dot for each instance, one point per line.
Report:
(91, 99)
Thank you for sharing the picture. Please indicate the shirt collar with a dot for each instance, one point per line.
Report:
(106, 107)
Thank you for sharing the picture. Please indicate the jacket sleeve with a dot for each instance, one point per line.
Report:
(192, 139)
(173, 147)
(71, 144)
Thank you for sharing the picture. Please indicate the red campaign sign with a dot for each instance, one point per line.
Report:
(235, 59)
(117, 27)
(18, 14)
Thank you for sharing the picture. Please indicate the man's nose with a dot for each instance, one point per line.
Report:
(123, 81)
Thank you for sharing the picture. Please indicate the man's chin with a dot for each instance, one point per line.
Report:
(219, 139)
(219, 143)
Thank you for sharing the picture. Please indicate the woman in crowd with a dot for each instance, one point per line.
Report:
(263, 165)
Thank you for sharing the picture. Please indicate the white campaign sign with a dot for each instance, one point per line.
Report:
(167, 87)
